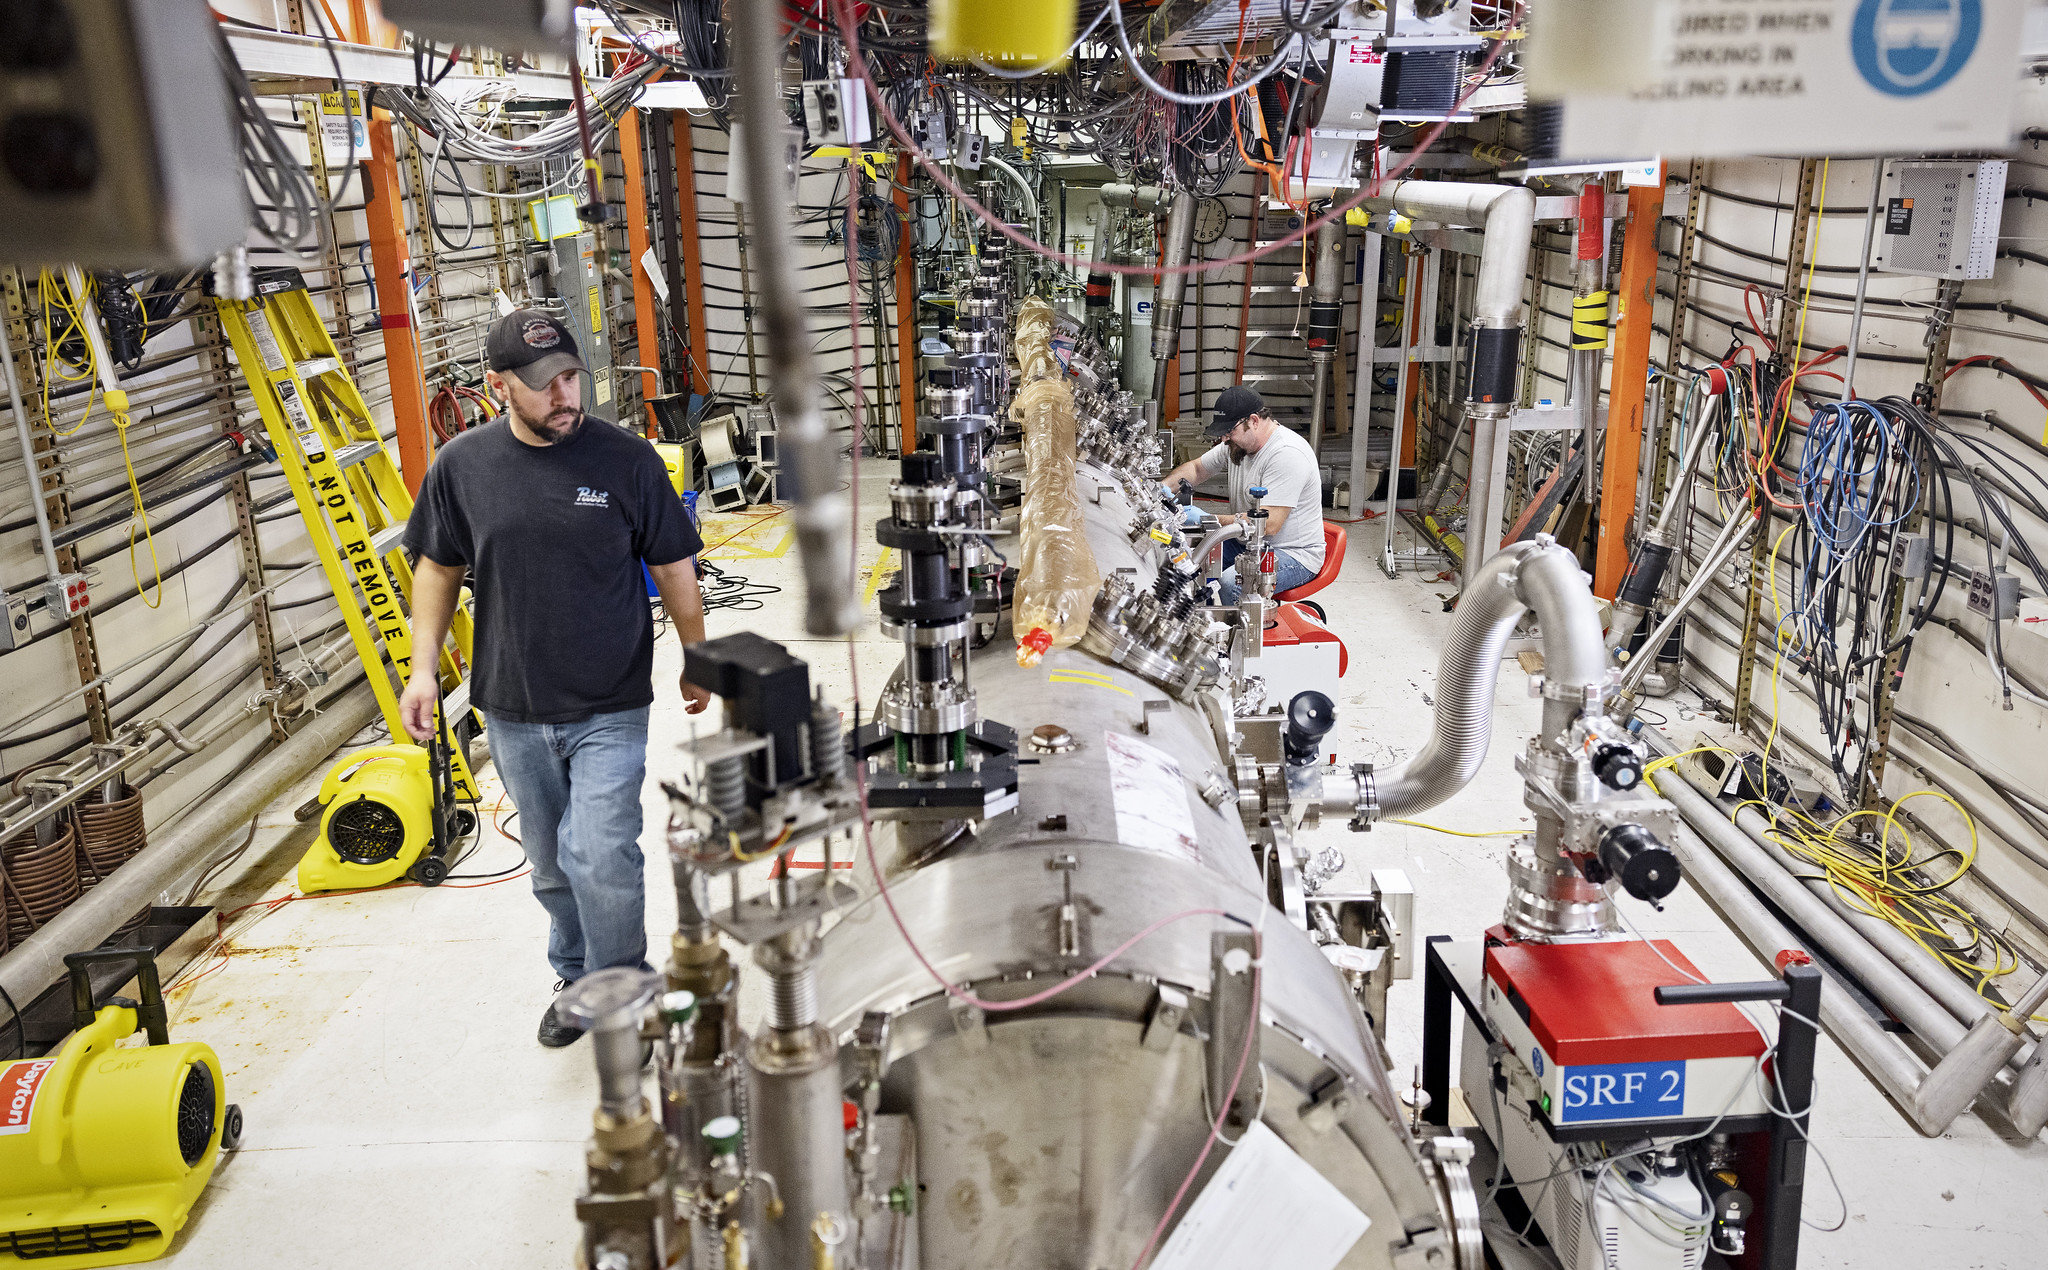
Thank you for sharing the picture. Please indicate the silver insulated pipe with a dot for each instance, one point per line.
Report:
(1325, 323)
(1173, 287)
(1507, 213)
(810, 458)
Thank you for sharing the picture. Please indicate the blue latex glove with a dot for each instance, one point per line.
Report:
(1166, 491)
(1191, 517)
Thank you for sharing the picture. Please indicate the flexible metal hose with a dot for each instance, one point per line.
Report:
(1538, 575)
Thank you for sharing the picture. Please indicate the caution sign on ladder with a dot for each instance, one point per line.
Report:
(348, 487)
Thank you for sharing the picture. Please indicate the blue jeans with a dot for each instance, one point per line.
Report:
(577, 787)
(1288, 572)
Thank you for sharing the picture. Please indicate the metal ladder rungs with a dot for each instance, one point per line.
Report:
(385, 541)
(349, 456)
(455, 706)
(1269, 288)
(318, 366)
(1271, 332)
(1260, 377)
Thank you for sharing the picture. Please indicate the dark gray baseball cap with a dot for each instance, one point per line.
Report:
(1234, 405)
(534, 346)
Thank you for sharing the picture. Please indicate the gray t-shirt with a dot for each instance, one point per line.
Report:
(1286, 467)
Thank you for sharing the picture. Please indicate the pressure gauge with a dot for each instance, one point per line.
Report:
(1211, 219)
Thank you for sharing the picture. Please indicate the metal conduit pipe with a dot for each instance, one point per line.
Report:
(1535, 575)
(1972, 1059)
(1891, 985)
(1940, 984)
(1173, 288)
(810, 459)
(38, 961)
(1883, 1058)
(1325, 324)
(1507, 213)
(53, 573)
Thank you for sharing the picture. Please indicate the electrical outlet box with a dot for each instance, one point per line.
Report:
(971, 148)
(14, 630)
(68, 596)
(1941, 218)
(119, 140)
(1994, 594)
(1910, 554)
(836, 112)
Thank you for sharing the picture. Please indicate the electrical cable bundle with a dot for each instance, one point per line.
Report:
(730, 591)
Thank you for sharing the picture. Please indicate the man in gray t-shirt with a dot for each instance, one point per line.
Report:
(1259, 452)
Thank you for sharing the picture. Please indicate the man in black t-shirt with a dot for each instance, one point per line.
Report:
(551, 513)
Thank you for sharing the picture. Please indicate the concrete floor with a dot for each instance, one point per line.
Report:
(399, 1110)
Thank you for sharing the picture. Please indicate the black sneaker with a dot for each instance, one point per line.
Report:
(554, 1032)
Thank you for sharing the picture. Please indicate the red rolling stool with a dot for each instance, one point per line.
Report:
(1333, 564)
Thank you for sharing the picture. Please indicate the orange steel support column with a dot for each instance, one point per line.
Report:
(1637, 295)
(906, 313)
(389, 257)
(646, 333)
(698, 348)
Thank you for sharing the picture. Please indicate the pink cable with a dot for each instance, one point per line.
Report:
(1216, 1128)
(857, 65)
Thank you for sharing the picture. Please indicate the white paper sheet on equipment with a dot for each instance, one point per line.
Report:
(1151, 798)
(652, 268)
(1265, 1207)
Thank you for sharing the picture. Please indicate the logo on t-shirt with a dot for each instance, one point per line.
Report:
(588, 497)
(539, 334)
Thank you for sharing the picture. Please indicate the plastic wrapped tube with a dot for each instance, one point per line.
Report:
(1057, 576)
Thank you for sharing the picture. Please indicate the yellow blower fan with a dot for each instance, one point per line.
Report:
(388, 814)
(103, 1150)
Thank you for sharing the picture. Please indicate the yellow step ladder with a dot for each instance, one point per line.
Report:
(354, 501)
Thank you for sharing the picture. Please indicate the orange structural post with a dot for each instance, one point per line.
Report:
(646, 333)
(697, 349)
(391, 260)
(1629, 387)
(906, 313)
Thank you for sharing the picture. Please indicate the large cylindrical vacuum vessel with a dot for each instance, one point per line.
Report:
(1057, 1135)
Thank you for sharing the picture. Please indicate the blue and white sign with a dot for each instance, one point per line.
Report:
(1622, 1091)
(1909, 48)
(1698, 78)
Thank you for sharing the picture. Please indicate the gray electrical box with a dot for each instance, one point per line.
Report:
(1940, 219)
(1910, 553)
(13, 620)
(1994, 594)
(579, 281)
(117, 144)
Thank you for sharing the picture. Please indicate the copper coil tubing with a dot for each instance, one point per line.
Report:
(39, 881)
(109, 833)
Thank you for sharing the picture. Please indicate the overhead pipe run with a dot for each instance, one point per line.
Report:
(809, 456)
(1507, 214)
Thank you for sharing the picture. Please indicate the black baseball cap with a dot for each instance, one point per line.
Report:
(534, 346)
(1234, 405)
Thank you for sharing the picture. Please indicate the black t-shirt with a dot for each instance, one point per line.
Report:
(553, 537)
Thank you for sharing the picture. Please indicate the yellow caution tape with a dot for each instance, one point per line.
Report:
(1589, 320)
